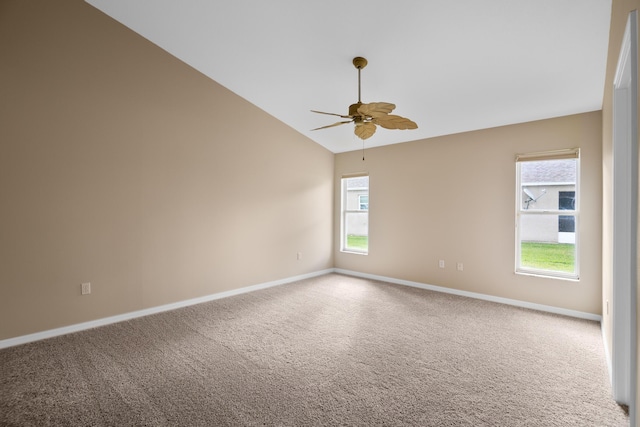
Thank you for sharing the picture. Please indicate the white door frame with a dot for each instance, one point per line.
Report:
(625, 218)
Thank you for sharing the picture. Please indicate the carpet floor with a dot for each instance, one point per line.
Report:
(332, 350)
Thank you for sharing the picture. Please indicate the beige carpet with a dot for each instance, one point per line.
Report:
(333, 350)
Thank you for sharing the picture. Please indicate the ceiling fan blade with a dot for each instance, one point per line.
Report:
(365, 130)
(392, 121)
(376, 109)
(335, 124)
(331, 114)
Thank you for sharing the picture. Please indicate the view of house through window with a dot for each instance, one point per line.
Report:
(355, 214)
(547, 213)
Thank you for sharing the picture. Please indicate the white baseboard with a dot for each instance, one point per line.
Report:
(10, 342)
(508, 301)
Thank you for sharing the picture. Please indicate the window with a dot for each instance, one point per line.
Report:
(354, 223)
(547, 214)
(567, 223)
(363, 202)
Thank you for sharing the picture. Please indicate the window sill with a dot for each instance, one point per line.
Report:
(548, 276)
(344, 251)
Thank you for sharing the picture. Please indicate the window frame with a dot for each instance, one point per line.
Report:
(573, 153)
(344, 212)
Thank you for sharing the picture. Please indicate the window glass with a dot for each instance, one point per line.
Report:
(363, 202)
(547, 216)
(355, 215)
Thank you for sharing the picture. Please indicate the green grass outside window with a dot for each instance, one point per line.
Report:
(359, 243)
(548, 256)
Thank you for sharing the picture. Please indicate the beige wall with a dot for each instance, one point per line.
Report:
(619, 16)
(460, 190)
(123, 167)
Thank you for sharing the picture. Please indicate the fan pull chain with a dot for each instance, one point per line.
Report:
(363, 150)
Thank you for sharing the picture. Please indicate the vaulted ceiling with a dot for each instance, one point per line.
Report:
(450, 66)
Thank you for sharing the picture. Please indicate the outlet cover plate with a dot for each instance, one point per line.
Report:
(86, 288)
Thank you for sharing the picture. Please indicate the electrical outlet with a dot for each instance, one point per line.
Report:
(299, 256)
(459, 266)
(441, 263)
(86, 288)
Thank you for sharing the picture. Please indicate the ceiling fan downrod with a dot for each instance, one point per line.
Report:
(359, 62)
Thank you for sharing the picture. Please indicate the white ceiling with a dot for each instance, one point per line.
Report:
(451, 66)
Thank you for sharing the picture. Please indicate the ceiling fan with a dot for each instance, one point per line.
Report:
(367, 116)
